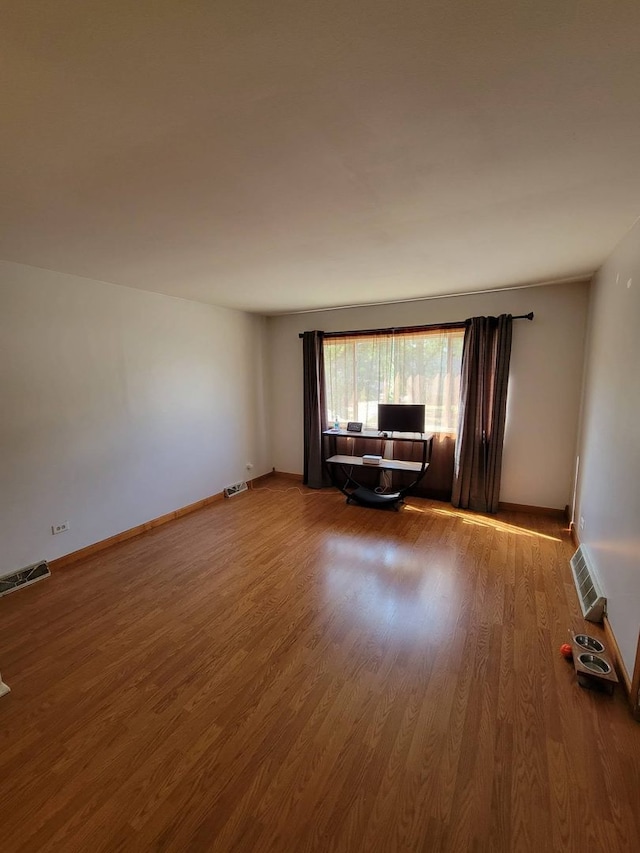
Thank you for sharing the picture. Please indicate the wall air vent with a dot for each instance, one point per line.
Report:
(235, 489)
(592, 601)
(29, 575)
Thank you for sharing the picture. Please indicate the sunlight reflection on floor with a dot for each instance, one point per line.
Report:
(393, 589)
(483, 521)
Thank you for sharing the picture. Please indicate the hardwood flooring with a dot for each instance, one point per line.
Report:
(283, 672)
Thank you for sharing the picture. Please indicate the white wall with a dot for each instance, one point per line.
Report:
(544, 389)
(117, 406)
(608, 496)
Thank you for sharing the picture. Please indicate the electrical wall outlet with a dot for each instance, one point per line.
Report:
(249, 466)
(582, 522)
(62, 527)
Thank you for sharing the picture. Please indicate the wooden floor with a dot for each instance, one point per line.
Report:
(283, 672)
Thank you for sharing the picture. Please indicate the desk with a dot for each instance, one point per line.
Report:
(348, 466)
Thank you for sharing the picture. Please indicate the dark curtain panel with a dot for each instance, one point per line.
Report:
(315, 409)
(483, 404)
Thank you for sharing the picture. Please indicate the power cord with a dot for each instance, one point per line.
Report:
(304, 492)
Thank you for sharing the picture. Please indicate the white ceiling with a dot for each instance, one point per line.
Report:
(282, 155)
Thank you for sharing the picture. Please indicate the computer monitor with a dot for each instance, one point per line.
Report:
(397, 417)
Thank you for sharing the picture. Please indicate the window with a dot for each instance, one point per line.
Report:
(362, 370)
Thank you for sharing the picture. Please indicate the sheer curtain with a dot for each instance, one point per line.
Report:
(404, 367)
(400, 367)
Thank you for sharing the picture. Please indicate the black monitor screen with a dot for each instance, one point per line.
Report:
(394, 417)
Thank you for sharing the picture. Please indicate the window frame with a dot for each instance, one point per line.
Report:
(387, 335)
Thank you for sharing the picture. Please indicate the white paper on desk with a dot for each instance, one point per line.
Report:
(369, 459)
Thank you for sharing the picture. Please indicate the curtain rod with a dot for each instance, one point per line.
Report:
(408, 329)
